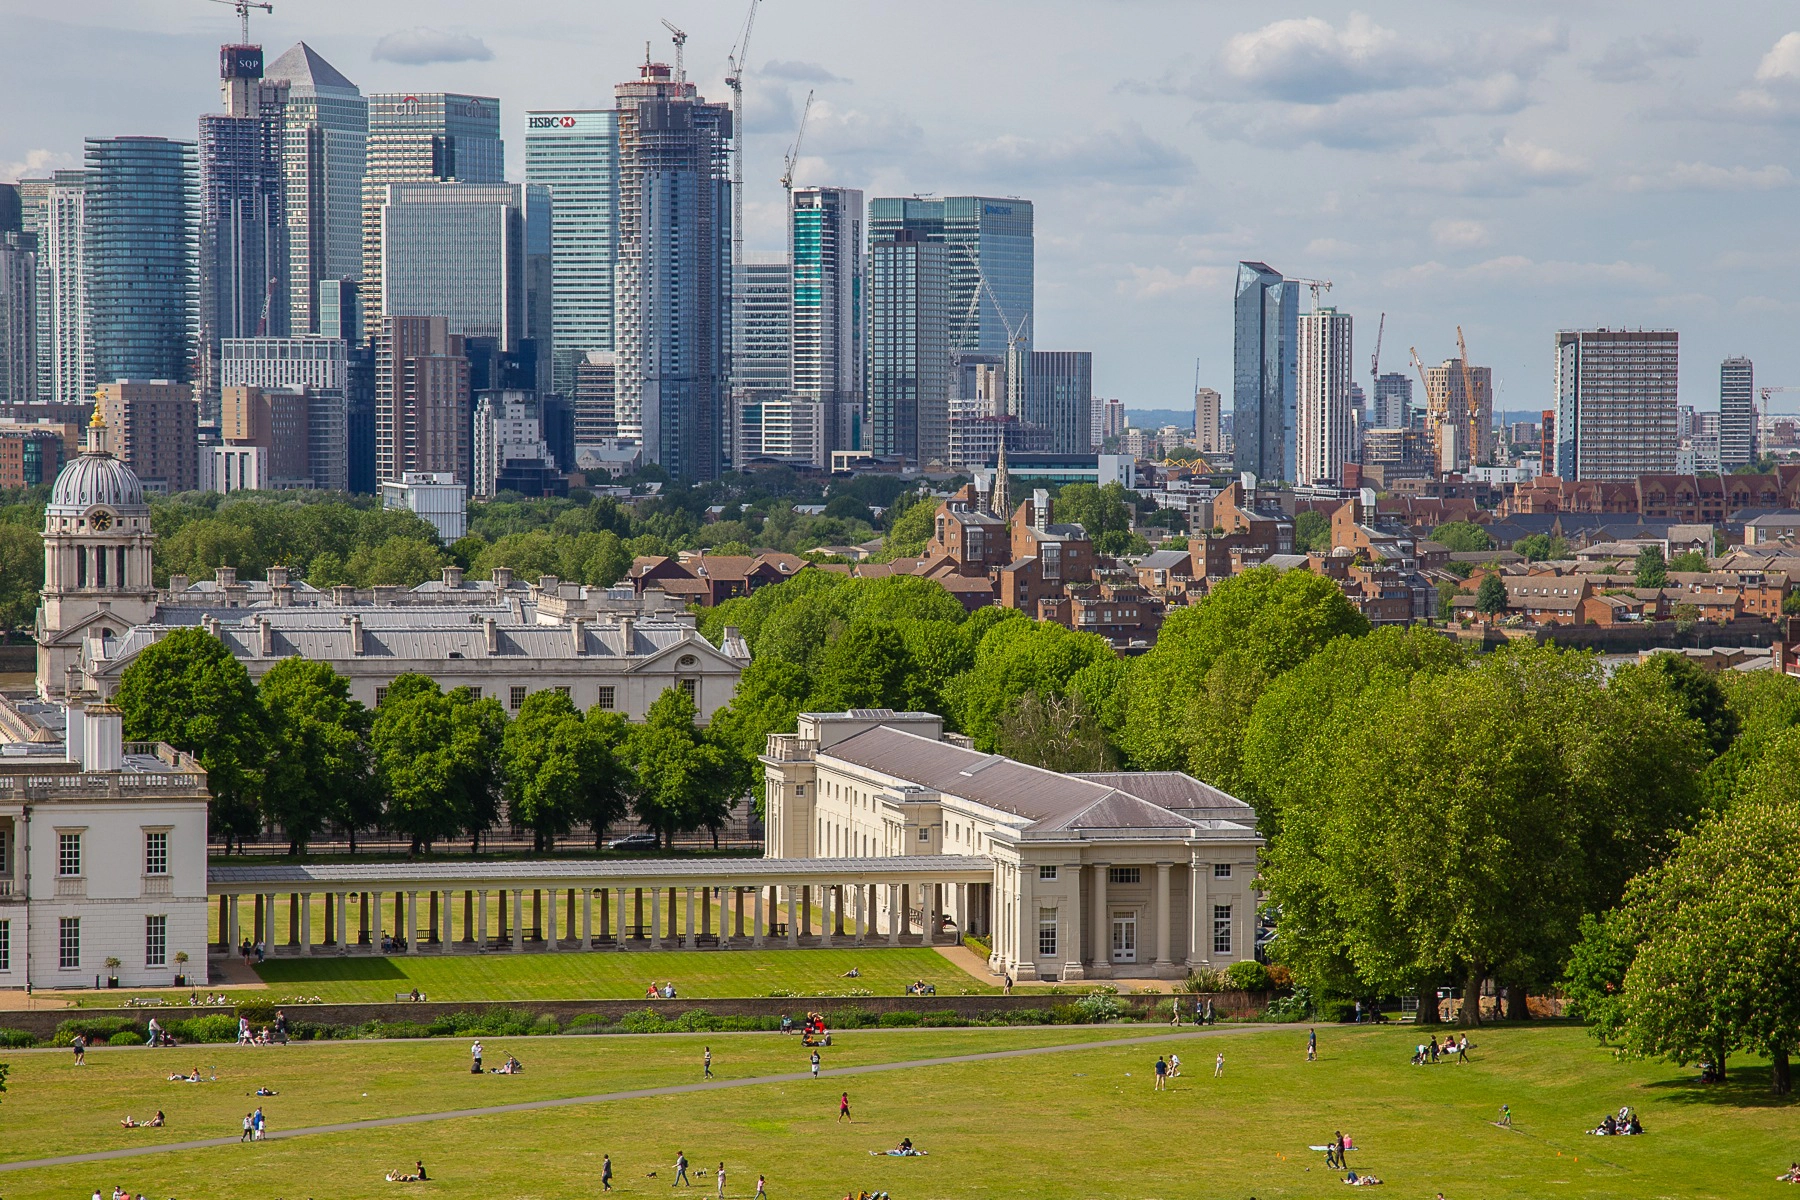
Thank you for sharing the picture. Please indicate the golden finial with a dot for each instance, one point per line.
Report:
(97, 421)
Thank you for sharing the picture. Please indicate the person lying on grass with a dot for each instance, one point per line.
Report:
(1355, 1180)
(155, 1122)
(416, 1175)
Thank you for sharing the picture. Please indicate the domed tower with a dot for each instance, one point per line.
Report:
(96, 559)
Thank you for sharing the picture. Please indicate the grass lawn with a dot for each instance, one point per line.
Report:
(1079, 1123)
(602, 975)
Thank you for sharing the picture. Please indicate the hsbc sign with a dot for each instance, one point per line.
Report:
(550, 123)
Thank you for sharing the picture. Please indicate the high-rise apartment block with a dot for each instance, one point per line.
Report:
(422, 400)
(1059, 397)
(825, 242)
(139, 251)
(1263, 396)
(153, 426)
(56, 210)
(761, 347)
(596, 399)
(457, 251)
(909, 348)
(1209, 438)
(575, 153)
(422, 137)
(1324, 425)
(243, 242)
(984, 237)
(1464, 432)
(1393, 401)
(18, 317)
(1615, 402)
(324, 128)
(509, 447)
(319, 367)
(672, 314)
(263, 440)
(1737, 413)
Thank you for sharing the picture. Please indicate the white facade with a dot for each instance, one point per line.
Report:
(234, 468)
(457, 251)
(434, 495)
(321, 366)
(1325, 433)
(65, 333)
(507, 429)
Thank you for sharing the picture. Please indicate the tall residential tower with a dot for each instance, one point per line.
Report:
(1263, 378)
(1737, 413)
(826, 246)
(1324, 428)
(1615, 402)
(139, 252)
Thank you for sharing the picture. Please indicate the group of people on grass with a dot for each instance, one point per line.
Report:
(416, 1175)
(276, 1035)
(666, 991)
(1429, 1051)
(196, 1077)
(255, 1125)
(155, 1122)
(511, 1066)
(1624, 1125)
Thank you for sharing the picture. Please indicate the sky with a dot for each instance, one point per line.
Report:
(1510, 168)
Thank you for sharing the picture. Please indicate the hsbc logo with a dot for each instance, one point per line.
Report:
(550, 123)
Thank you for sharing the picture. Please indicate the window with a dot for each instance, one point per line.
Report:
(607, 697)
(68, 854)
(515, 696)
(563, 690)
(3, 870)
(692, 688)
(1047, 871)
(1122, 874)
(69, 943)
(156, 941)
(1221, 929)
(1221, 870)
(380, 695)
(474, 692)
(156, 852)
(924, 835)
(1047, 931)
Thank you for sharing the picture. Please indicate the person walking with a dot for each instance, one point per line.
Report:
(249, 1128)
(1337, 1140)
(721, 1181)
(681, 1175)
(475, 1053)
(1312, 1045)
(708, 1061)
(815, 1064)
(761, 1191)
(844, 1107)
(1462, 1049)
(79, 1044)
(1162, 1075)
(606, 1172)
(1219, 1065)
(260, 1122)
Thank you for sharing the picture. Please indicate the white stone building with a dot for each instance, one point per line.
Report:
(1133, 873)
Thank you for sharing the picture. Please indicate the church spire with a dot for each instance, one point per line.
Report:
(1000, 497)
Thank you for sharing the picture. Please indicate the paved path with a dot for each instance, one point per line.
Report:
(634, 1094)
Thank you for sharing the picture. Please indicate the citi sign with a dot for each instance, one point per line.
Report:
(551, 123)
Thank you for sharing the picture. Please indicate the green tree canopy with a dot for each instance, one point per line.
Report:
(1690, 560)
(910, 529)
(1541, 546)
(438, 757)
(1057, 733)
(562, 769)
(1490, 597)
(683, 779)
(1652, 572)
(188, 690)
(1462, 537)
(1015, 658)
(318, 766)
(1312, 531)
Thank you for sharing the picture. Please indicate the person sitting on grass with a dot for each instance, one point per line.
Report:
(402, 1176)
(852, 973)
(1792, 1176)
(511, 1066)
(156, 1122)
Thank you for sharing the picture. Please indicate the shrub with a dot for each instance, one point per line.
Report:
(96, 1029)
(214, 1027)
(125, 1038)
(16, 1039)
(852, 1018)
(1100, 1005)
(1296, 1006)
(1249, 976)
(1202, 979)
(588, 1021)
(979, 945)
(645, 1020)
(1280, 978)
(942, 1019)
(1027, 1016)
(318, 1031)
(1336, 1010)
(398, 1029)
(895, 1020)
(1067, 1014)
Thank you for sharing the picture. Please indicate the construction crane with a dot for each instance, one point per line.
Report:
(1770, 391)
(1420, 368)
(262, 322)
(1470, 400)
(678, 36)
(793, 154)
(1375, 358)
(734, 79)
(243, 11)
(1317, 286)
(1015, 341)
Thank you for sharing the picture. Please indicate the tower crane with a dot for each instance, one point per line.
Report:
(793, 154)
(1317, 286)
(243, 11)
(1470, 400)
(1015, 342)
(676, 35)
(734, 79)
(1375, 358)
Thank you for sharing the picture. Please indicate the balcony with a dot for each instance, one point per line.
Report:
(10, 890)
(159, 885)
(72, 886)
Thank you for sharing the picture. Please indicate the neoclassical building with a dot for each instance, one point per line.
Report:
(1133, 873)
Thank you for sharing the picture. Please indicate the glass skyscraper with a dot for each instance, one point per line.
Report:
(324, 133)
(457, 251)
(1264, 396)
(423, 136)
(982, 236)
(761, 348)
(909, 348)
(575, 153)
(56, 210)
(1059, 398)
(139, 241)
(826, 241)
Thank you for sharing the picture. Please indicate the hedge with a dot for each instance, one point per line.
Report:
(96, 1029)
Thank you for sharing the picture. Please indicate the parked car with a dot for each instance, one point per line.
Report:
(635, 841)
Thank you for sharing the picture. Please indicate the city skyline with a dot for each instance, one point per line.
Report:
(1458, 195)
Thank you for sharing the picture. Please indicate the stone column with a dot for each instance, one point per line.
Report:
(935, 891)
(306, 923)
(1070, 914)
(228, 925)
(756, 924)
(412, 922)
(962, 911)
(447, 938)
(656, 918)
(793, 925)
(726, 893)
(550, 938)
(1200, 914)
(431, 915)
(826, 917)
(293, 918)
(518, 925)
(1161, 965)
(481, 941)
(1102, 968)
(587, 918)
(806, 909)
(862, 915)
(687, 940)
(621, 907)
(894, 895)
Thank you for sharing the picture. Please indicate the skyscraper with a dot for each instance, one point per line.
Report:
(320, 366)
(761, 348)
(243, 217)
(422, 136)
(422, 400)
(1737, 413)
(1209, 438)
(826, 245)
(18, 317)
(983, 236)
(1393, 401)
(1324, 425)
(1447, 405)
(1263, 379)
(909, 348)
(1059, 395)
(324, 126)
(575, 153)
(139, 244)
(457, 251)
(1615, 402)
(596, 399)
(672, 317)
(65, 336)
(153, 425)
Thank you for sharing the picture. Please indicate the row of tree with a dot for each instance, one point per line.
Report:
(296, 751)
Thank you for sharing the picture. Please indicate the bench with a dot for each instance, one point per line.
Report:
(407, 997)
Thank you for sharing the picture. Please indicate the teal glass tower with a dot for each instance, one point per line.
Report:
(140, 228)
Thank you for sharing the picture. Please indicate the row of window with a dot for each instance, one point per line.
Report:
(1221, 930)
(1129, 874)
(68, 852)
(68, 943)
(607, 696)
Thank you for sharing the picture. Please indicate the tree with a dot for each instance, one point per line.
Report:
(769, 699)
(1015, 658)
(1447, 593)
(560, 769)
(1099, 510)
(1652, 572)
(1057, 733)
(683, 780)
(1491, 597)
(1594, 980)
(437, 757)
(318, 764)
(1691, 560)
(1691, 689)
(912, 527)
(188, 690)
(1541, 546)
(1312, 531)
(1791, 605)
(1715, 929)
(1462, 537)
(399, 562)
(866, 666)
(1764, 706)
(21, 575)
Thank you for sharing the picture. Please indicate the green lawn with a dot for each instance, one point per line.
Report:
(566, 975)
(1079, 1123)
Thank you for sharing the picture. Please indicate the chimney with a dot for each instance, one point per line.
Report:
(503, 578)
(343, 595)
(453, 577)
(579, 628)
(385, 593)
(103, 742)
(278, 577)
(225, 576)
(492, 629)
(625, 638)
(177, 584)
(75, 726)
(356, 634)
(265, 638)
(546, 585)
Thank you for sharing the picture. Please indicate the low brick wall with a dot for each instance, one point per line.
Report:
(1227, 1005)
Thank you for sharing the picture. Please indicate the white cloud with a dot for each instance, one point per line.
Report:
(1121, 155)
(1152, 283)
(796, 71)
(1628, 59)
(1782, 63)
(1705, 177)
(1542, 164)
(1517, 270)
(422, 44)
(1459, 234)
(36, 164)
(1777, 93)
